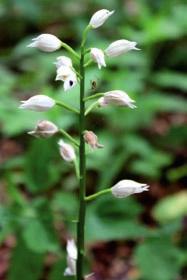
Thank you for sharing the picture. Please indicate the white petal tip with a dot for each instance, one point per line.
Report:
(21, 106)
(145, 188)
(132, 106)
(32, 45)
(111, 13)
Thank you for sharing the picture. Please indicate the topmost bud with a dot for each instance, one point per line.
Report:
(100, 17)
(46, 43)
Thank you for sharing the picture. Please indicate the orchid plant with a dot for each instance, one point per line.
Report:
(66, 72)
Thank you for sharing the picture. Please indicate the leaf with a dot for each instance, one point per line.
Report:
(158, 259)
(170, 208)
(5, 225)
(39, 172)
(37, 238)
(176, 174)
(149, 161)
(25, 263)
(170, 80)
(58, 269)
(38, 232)
(65, 202)
(109, 218)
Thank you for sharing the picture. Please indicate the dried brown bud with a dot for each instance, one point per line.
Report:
(91, 139)
(44, 129)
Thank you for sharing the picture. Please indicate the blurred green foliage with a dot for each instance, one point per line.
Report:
(38, 190)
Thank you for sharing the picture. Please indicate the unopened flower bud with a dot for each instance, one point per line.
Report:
(46, 43)
(98, 56)
(125, 188)
(44, 129)
(91, 139)
(39, 103)
(71, 258)
(67, 151)
(120, 47)
(100, 17)
(116, 97)
(63, 61)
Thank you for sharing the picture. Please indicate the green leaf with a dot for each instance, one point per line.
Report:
(38, 232)
(109, 218)
(37, 238)
(25, 264)
(177, 173)
(170, 208)
(58, 269)
(5, 223)
(39, 171)
(170, 80)
(65, 202)
(158, 259)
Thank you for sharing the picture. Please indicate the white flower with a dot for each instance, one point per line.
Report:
(98, 56)
(116, 97)
(38, 103)
(67, 75)
(71, 258)
(125, 188)
(99, 18)
(63, 72)
(70, 82)
(44, 129)
(63, 61)
(120, 47)
(46, 43)
(67, 151)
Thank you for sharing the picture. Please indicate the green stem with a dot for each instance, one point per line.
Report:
(78, 74)
(67, 107)
(76, 165)
(87, 51)
(93, 96)
(70, 50)
(91, 107)
(82, 167)
(88, 63)
(95, 195)
(69, 137)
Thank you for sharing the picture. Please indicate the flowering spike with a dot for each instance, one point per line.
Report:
(67, 151)
(44, 129)
(125, 188)
(120, 47)
(71, 258)
(46, 43)
(98, 56)
(39, 103)
(100, 17)
(116, 97)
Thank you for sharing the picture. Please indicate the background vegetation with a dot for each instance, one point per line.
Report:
(143, 237)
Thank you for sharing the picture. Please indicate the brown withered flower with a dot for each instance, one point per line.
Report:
(91, 139)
